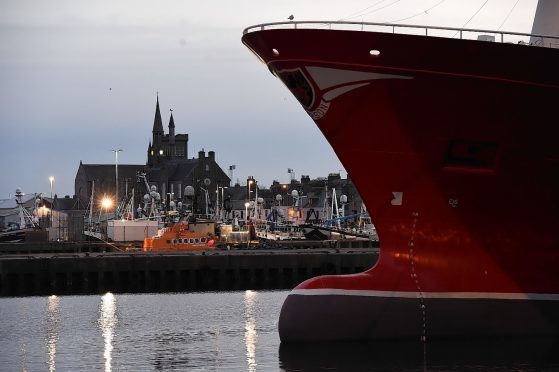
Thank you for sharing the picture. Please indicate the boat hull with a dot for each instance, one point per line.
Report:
(452, 146)
(308, 317)
(178, 238)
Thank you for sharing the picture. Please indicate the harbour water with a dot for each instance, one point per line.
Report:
(225, 331)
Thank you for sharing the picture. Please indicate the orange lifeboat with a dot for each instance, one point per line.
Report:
(178, 238)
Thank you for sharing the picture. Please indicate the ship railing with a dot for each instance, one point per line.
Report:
(436, 31)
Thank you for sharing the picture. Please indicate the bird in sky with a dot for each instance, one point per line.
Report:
(290, 17)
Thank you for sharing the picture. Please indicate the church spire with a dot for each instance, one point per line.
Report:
(172, 135)
(157, 122)
(171, 121)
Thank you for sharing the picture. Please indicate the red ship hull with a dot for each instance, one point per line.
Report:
(452, 146)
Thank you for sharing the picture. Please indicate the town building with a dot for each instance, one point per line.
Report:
(305, 201)
(168, 167)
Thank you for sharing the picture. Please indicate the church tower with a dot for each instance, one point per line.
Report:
(166, 147)
(172, 151)
(156, 152)
(150, 154)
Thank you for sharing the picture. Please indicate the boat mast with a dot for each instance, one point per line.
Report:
(91, 203)
(325, 205)
(23, 213)
(206, 199)
(217, 211)
(335, 207)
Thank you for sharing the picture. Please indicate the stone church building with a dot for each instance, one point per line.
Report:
(168, 167)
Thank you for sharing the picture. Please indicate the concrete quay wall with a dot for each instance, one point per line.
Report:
(52, 247)
(68, 274)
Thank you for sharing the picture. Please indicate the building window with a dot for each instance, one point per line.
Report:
(207, 167)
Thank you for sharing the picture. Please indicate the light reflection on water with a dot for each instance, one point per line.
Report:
(107, 324)
(251, 335)
(53, 319)
(234, 331)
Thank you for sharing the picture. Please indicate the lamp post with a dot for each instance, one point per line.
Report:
(222, 200)
(106, 204)
(217, 212)
(116, 180)
(51, 179)
(246, 212)
(249, 182)
(219, 204)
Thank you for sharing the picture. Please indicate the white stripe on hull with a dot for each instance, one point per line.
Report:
(435, 295)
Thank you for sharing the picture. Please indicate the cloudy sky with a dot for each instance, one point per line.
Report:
(79, 78)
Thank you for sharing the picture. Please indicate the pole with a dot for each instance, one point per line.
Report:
(217, 213)
(222, 205)
(255, 201)
(116, 181)
(51, 179)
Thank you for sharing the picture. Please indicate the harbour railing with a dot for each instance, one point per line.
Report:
(434, 31)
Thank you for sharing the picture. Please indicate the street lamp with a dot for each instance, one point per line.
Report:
(51, 179)
(106, 204)
(249, 182)
(116, 180)
(285, 189)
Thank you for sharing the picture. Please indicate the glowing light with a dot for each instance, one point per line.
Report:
(43, 211)
(107, 323)
(106, 203)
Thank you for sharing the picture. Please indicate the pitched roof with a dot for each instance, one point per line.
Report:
(183, 169)
(66, 203)
(100, 171)
(11, 203)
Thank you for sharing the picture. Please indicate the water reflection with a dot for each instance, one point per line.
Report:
(23, 357)
(53, 319)
(107, 322)
(498, 354)
(251, 336)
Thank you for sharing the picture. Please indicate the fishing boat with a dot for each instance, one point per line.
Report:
(339, 226)
(458, 126)
(271, 231)
(28, 220)
(179, 237)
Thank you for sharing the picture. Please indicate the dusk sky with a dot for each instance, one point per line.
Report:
(79, 78)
